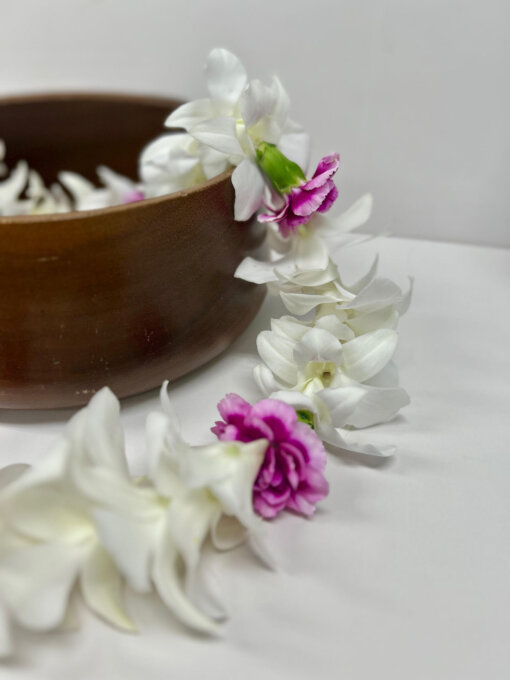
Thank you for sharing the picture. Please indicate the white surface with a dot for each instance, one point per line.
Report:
(404, 571)
(413, 94)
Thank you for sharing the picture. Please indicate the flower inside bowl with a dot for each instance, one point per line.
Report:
(124, 296)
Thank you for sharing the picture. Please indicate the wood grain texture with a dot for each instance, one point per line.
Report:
(126, 296)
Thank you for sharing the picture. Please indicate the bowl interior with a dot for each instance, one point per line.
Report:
(78, 132)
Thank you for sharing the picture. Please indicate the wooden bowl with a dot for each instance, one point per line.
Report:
(126, 296)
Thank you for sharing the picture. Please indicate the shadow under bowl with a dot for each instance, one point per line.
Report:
(126, 296)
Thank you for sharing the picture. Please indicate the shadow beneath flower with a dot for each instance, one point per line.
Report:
(359, 459)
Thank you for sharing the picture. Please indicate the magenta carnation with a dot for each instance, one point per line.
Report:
(292, 474)
(302, 202)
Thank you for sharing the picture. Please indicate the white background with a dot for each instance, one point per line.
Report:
(413, 94)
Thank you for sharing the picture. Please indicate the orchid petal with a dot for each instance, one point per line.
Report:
(332, 324)
(36, 581)
(289, 327)
(266, 380)
(303, 303)
(166, 580)
(295, 144)
(405, 301)
(227, 533)
(333, 437)
(205, 465)
(277, 353)
(361, 283)
(257, 102)
(163, 471)
(378, 293)
(213, 162)
(341, 403)
(388, 377)
(235, 492)
(169, 163)
(189, 519)
(101, 587)
(387, 317)
(11, 188)
(203, 591)
(249, 188)
(226, 75)
(119, 535)
(314, 278)
(192, 113)
(117, 183)
(318, 345)
(355, 216)
(220, 134)
(97, 433)
(255, 271)
(379, 404)
(281, 107)
(258, 543)
(311, 253)
(366, 355)
(78, 186)
(39, 505)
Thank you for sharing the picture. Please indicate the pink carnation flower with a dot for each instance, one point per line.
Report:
(291, 475)
(302, 202)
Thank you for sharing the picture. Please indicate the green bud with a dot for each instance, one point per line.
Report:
(305, 417)
(283, 173)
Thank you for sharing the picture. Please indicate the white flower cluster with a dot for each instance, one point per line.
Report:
(77, 518)
(23, 192)
(224, 130)
(221, 131)
(335, 361)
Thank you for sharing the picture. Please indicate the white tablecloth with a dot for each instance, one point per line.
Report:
(404, 572)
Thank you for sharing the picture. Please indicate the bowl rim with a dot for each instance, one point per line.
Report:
(114, 209)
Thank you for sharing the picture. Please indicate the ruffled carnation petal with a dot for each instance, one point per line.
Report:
(291, 474)
(330, 198)
(278, 415)
(304, 202)
(232, 405)
(328, 165)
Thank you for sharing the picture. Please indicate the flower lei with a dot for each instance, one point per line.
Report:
(78, 517)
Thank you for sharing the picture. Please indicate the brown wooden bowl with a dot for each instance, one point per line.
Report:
(125, 296)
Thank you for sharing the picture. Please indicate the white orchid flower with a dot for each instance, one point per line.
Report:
(48, 516)
(44, 201)
(192, 487)
(177, 161)
(307, 251)
(235, 119)
(24, 193)
(77, 516)
(11, 190)
(171, 163)
(366, 305)
(117, 189)
(351, 383)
